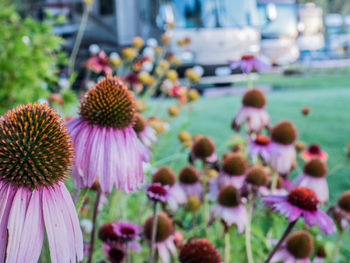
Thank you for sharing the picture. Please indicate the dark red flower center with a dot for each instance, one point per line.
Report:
(247, 57)
(314, 149)
(262, 140)
(157, 189)
(106, 232)
(116, 254)
(199, 251)
(304, 198)
(127, 230)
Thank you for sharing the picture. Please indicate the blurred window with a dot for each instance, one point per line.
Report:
(214, 13)
(106, 7)
(284, 24)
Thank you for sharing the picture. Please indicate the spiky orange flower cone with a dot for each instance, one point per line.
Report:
(105, 143)
(35, 154)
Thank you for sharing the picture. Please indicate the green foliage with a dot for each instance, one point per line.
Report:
(29, 56)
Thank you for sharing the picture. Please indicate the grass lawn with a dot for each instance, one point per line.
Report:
(328, 123)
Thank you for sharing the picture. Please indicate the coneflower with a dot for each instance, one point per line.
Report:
(166, 177)
(189, 179)
(283, 136)
(298, 247)
(252, 112)
(230, 209)
(302, 201)
(259, 146)
(314, 177)
(106, 146)
(203, 148)
(164, 237)
(35, 155)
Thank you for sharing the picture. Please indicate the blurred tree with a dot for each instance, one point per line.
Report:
(29, 58)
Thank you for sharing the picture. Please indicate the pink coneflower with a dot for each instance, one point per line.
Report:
(106, 146)
(233, 171)
(341, 211)
(257, 180)
(164, 236)
(302, 201)
(229, 208)
(259, 147)
(127, 230)
(252, 112)
(298, 248)
(107, 233)
(314, 177)
(248, 63)
(199, 250)
(115, 252)
(146, 133)
(321, 255)
(35, 153)
(157, 192)
(283, 136)
(166, 177)
(189, 181)
(313, 151)
(99, 63)
(203, 148)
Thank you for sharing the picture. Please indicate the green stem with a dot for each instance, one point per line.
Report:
(205, 201)
(336, 246)
(94, 221)
(274, 181)
(285, 234)
(79, 38)
(248, 244)
(249, 81)
(154, 233)
(80, 199)
(227, 246)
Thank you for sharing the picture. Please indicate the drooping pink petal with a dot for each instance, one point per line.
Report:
(56, 229)
(16, 222)
(72, 221)
(32, 237)
(324, 222)
(7, 194)
(292, 212)
(163, 252)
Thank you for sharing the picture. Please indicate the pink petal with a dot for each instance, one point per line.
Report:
(163, 252)
(32, 237)
(324, 222)
(16, 222)
(55, 227)
(72, 222)
(7, 194)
